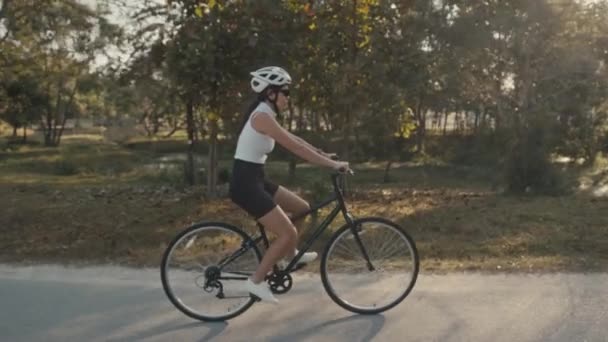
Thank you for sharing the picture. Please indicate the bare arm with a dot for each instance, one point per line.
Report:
(266, 124)
(331, 156)
(316, 149)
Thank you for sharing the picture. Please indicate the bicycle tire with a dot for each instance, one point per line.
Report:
(165, 278)
(329, 284)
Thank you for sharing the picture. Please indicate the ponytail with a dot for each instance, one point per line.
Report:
(250, 110)
(259, 99)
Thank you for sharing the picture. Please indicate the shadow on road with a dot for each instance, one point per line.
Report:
(214, 329)
(358, 327)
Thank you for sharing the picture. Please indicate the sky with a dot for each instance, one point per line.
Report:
(120, 17)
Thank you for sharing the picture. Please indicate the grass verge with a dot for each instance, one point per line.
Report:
(93, 202)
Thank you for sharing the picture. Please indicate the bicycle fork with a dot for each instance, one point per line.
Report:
(355, 230)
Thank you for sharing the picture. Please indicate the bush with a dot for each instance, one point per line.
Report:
(481, 149)
(528, 168)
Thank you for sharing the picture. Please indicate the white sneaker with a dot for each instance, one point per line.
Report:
(261, 291)
(305, 259)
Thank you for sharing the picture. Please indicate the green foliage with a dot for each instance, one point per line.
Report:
(369, 75)
(528, 165)
(24, 99)
(48, 50)
(468, 150)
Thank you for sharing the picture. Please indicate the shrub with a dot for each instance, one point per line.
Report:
(528, 167)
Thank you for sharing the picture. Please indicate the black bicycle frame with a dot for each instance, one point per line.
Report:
(340, 207)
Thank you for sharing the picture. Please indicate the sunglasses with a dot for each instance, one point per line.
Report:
(284, 92)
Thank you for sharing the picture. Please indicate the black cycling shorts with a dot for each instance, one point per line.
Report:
(250, 190)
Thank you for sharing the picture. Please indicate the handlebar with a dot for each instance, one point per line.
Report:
(341, 174)
(342, 171)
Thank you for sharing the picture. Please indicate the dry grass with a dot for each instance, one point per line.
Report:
(458, 230)
(107, 210)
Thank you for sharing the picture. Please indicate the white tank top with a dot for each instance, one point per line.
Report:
(252, 145)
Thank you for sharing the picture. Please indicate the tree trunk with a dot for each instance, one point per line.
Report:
(481, 126)
(292, 159)
(15, 131)
(155, 122)
(351, 83)
(436, 119)
(476, 125)
(189, 172)
(145, 121)
(499, 109)
(485, 119)
(301, 119)
(46, 123)
(60, 132)
(24, 140)
(445, 122)
(420, 115)
(328, 124)
(386, 178)
(212, 162)
(174, 128)
(346, 133)
(53, 117)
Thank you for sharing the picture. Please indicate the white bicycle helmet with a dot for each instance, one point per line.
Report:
(266, 76)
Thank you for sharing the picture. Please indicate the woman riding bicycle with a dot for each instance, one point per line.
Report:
(250, 190)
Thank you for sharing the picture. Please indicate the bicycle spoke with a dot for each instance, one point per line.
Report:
(194, 256)
(350, 251)
(352, 284)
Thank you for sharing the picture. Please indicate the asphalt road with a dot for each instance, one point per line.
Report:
(53, 303)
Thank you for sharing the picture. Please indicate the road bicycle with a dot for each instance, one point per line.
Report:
(369, 265)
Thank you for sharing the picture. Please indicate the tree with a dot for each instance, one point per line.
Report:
(58, 40)
(23, 100)
(366, 69)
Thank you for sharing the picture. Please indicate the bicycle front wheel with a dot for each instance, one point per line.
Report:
(372, 270)
(204, 269)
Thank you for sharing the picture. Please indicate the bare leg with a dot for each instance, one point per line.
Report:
(277, 222)
(295, 205)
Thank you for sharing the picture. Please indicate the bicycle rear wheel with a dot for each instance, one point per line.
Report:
(369, 288)
(203, 271)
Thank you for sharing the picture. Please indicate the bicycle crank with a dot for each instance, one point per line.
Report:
(280, 283)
